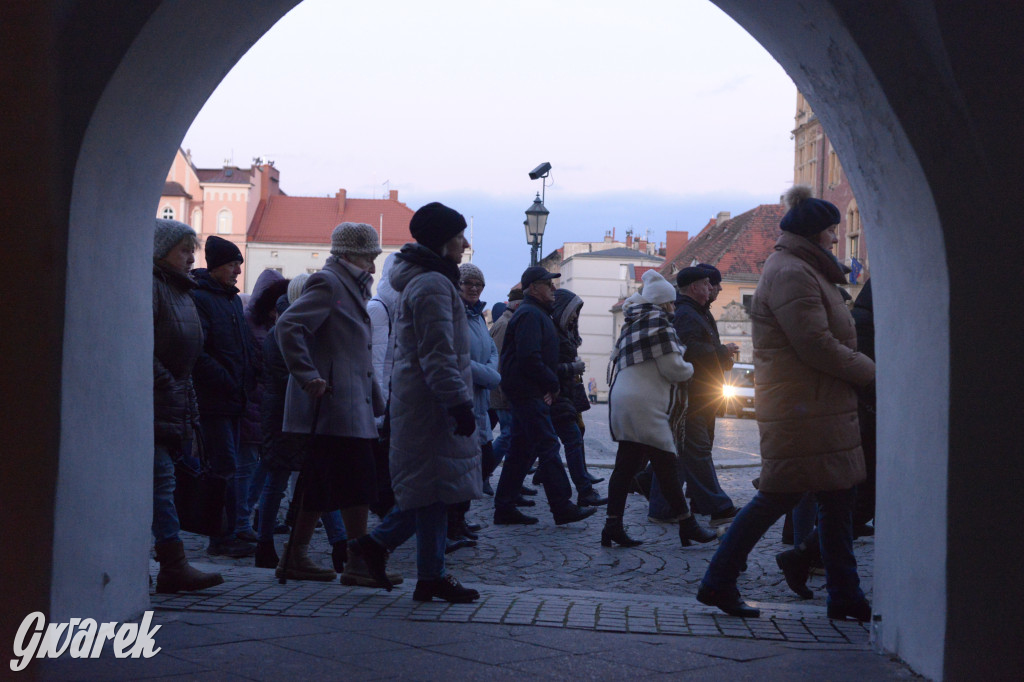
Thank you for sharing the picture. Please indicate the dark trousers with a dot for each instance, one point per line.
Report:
(702, 485)
(533, 436)
(629, 461)
(835, 526)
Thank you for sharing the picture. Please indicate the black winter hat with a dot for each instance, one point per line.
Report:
(713, 273)
(220, 251)
(807, 216)
(688, 276)
(434, 224)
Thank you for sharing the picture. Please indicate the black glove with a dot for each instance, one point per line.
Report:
(465, 420)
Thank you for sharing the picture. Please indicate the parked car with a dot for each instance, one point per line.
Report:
(738, 391)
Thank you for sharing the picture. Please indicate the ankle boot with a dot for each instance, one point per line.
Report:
(689, 530)
(339, 555)
(796, 568)
(614, 532)
(175, 573)
(266, 555)
(300, 566)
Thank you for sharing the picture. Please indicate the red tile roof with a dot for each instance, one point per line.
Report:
(310, 220)
(174, 189)
(737, 247)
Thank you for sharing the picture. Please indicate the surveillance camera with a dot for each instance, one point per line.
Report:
(540, 171)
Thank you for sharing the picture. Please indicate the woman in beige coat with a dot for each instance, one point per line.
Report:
(808, 370)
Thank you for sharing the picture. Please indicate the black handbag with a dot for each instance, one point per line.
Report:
(199, 495)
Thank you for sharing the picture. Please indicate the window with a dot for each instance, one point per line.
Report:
(224, 221)
(273, 254)
(167, 213)
(197, 221)
(835, 169)
(853, 233)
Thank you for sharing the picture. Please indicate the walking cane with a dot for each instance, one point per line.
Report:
(300, 484)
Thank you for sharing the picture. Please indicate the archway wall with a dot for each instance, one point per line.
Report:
(828, 54)
(173, 65)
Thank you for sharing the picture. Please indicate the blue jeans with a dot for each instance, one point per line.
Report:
(256, 484)
(805, 515)
(165, 516)
(572, 440)
(222, 441)
(504, 439)
(245, 467)
(702, 487)
(533, 436)
(275, 482)
(430, 526)
(835, 524)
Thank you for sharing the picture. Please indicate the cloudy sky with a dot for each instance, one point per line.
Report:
(654, 114)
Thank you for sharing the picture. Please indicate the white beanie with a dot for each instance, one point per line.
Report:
(355, 239)
(656, 289)
(296, 286)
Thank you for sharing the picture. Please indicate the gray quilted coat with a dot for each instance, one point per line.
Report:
(431, 373)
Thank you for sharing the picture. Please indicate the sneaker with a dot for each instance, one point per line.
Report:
(573, 513)
(513, 518)
(447, 588)
(234, 548)
(723, 517)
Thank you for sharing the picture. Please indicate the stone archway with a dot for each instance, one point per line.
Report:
(907, 94)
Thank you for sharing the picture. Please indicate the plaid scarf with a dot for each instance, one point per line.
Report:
(647, 334)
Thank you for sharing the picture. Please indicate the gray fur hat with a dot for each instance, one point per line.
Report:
(169, 234)
(355, 239)
(470, 271)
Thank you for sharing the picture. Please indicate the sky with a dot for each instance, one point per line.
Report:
(654, 114)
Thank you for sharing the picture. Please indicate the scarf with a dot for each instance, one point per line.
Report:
(647, 334)
(362, 277)
(417, 254)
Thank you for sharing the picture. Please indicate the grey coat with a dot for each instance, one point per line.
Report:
(432, 372)
(326, 334)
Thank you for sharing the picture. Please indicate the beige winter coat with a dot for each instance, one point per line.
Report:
(806, 368)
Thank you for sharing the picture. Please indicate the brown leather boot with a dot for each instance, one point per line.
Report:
(176, 575)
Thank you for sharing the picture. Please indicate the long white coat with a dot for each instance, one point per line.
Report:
(644, 396)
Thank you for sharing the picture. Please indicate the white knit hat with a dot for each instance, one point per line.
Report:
(296, 286)
(470, 271)
(656, 289)
(355, 239)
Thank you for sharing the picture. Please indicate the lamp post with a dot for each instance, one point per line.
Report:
(537, 214)
(536, 221)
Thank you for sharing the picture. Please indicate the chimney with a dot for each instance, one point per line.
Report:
(393, 195)
(675, 241)
(641, 245)
(722, 217)
(270, 183)
(629, 239)
(341, 201)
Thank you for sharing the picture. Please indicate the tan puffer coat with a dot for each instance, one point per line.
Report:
(806, 368)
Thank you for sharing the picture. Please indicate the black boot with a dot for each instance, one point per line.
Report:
(614, 532)
(689, 530)
(447, 588)
(339, 555)
(266, 555)
(796, 567)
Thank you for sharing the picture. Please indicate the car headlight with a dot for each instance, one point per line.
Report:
(729, 391)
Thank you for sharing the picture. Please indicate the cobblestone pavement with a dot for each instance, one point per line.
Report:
(560, 576)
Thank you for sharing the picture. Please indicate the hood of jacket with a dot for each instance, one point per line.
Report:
(415, 259)
(566, 305)
(266, 278)
(386, 292)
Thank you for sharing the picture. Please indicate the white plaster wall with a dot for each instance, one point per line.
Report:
(105, 482)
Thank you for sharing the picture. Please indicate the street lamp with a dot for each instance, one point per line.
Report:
(536, 221)
(537, 215)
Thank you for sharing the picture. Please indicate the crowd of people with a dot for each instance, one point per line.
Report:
(388, 403)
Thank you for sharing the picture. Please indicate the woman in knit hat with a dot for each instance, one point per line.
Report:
(177, 342)
(644, 374)
(808, 371)
(435, 452)
(325, 338)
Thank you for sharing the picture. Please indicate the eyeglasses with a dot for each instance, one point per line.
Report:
(472, 284)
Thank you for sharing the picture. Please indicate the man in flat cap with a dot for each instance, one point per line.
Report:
(529, 380)
(711, 359)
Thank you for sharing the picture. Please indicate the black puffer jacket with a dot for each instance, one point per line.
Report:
(225, 371)
(704, 350)
(572, 398)
(177, 342)
(529, 353)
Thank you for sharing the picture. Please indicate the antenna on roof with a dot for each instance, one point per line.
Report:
(387, 188)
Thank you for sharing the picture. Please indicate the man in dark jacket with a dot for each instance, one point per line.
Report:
(224, 374)
(711, 359)
(529, 379)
